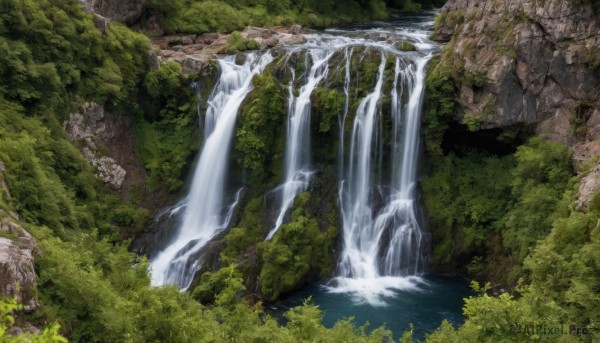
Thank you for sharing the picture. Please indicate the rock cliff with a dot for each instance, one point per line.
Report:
(528, 61)
(106, 141)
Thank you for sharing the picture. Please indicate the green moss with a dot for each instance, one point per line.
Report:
(250, 230)
(164, 81)
(213, 284)
(297, 249)
(472, 121)
(166, 130)
(128, 216)
(258, 149)
(439, 103)
(406, 46)
(237, 43)
(327, 104)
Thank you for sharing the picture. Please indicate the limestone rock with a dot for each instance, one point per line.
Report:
(107, 143)
(292, 39)
(253, 32)
(588, 186)
(17, 272)
(199, 63)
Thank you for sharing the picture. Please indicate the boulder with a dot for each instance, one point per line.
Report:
(253, 32)
(125, 11)
(17, 270)
(292, 39)
(295, 29)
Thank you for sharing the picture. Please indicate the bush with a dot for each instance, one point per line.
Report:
(237, 43)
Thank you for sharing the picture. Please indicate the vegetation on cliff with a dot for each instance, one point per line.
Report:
(503, 212)
(501, 206)
(53, 59)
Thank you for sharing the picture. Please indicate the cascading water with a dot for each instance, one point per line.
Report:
(383, 250)
(382, 240)
(297, 153)
(206, 212)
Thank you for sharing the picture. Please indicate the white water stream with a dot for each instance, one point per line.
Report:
(382, 243)
(205, 208)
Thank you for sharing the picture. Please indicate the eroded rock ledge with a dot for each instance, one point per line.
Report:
(195, 52)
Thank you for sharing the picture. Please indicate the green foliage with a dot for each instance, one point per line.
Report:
(164, 81)
(50, 182)
(561, 289)
(305, 326)
(328, 105)
(298, 247)
(215, 285)
(194, 16)
(7, 307)
(250, 231)
(439, 104)
(237, 43)
(258, 147)
(50, 50)
(466, 199)
(167, 135)
(542, 185)
(128, 216)
(486, 212)
(472, 121)
(166, 146)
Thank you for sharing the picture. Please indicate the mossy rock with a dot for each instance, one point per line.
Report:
(406, 46)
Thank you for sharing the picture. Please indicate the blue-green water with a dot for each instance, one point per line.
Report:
(425, 306)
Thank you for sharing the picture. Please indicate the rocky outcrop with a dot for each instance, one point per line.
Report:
(17, 272)
(125, 11)
(528, 61)
(521, 60)
(196, 53)
(107, 143)
(17, 251)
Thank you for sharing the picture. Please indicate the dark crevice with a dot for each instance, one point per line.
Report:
(459, 140)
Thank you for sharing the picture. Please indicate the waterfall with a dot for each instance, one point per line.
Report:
(342, 120)
(382, 241)
(297, 151)
(382, 250)
(206, 212)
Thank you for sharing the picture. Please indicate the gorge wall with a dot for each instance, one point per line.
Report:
(510, 69)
